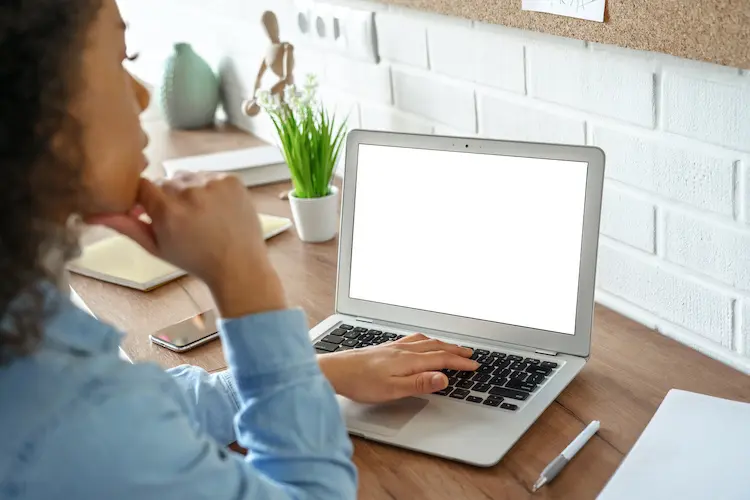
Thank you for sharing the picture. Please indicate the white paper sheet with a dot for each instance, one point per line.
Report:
(696, 447)
(591, 10)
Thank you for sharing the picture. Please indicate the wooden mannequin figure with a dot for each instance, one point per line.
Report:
(279, 59)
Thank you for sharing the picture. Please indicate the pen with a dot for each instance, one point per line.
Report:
(555, 466)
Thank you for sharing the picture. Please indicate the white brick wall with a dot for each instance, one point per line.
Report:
(677, 171)
(402, 39)
(469, 54)
(586, 80)
(713, 111)
(721, 251)
(386, 118)
(370, 82)
(743, 170)
(505, 118)
(628, 218)
(745, 332)
(676, 298)
(447, 102)
(675, 250)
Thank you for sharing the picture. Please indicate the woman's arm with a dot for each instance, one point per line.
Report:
(211, 398)
(381, 373)
(135, 438)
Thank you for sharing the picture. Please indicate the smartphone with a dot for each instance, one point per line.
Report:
(188, 334)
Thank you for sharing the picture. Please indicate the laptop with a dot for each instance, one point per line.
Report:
(482, 243)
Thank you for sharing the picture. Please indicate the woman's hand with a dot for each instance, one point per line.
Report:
(393, 370)
(207, 225)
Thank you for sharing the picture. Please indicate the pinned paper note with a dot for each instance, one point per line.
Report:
(591, 10)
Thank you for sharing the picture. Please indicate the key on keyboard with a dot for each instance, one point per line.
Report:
(487, 368)
(459, 393)
(465, 384)
(325, 346)
(502, 372)
(444, 392)
(333, 339)
(521, 386)
(503, 363)
(544, 370)
(509, 393)
(518, 365)
(535, 378)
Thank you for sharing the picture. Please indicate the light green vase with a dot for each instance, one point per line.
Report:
(189, 93)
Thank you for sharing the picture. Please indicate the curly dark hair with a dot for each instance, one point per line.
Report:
(41, 43)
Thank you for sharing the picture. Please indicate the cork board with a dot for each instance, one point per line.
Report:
(716, 31)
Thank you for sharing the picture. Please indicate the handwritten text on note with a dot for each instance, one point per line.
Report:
(591, 10)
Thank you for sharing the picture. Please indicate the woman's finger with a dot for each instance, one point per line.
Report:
(421, 383)
(434, 361)
(437, 345)
(414, 337)
(132, 227)
(152, 198)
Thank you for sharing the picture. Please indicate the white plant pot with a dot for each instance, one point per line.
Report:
(316, 219)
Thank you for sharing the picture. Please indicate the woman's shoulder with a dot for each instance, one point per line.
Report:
(86, 431)
(55, 401)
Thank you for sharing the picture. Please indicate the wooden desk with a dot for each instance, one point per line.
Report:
(630, 371)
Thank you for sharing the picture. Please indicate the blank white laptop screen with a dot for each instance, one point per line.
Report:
(495, 238)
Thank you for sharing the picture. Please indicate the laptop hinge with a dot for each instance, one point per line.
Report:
(363, 320)
(542, 351)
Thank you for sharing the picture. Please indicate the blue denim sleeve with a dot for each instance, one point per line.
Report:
(212, 400)
(290, 420)
(135, 437)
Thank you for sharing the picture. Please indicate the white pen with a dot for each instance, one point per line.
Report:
(555, 466)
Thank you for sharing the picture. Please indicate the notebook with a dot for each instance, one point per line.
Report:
(696, 447)
(122, 261)
(254, 166)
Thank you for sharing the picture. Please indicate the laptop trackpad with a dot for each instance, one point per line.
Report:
(385, 419)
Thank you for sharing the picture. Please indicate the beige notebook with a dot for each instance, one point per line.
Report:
(122, 261)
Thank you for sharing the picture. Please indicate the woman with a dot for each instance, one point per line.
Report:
(78, 423)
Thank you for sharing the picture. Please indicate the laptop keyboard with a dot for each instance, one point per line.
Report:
(348, 337)
(502, 380)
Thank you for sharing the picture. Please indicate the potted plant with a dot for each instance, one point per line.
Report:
(311, 142)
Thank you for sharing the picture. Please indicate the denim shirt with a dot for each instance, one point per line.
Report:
(78, 422)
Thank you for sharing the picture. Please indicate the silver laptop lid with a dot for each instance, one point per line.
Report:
(493, 239)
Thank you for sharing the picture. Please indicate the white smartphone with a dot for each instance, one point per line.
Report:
(188, 334)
